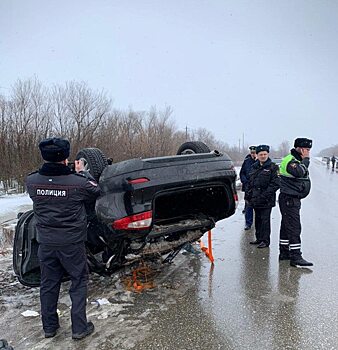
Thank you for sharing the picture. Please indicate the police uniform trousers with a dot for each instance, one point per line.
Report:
(262, 224)
(54, 263)
(289, 239)
(248, 214)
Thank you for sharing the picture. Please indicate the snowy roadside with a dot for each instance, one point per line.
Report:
(11, 205)
(122, 317)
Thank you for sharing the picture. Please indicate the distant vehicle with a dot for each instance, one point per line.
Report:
(148, 207)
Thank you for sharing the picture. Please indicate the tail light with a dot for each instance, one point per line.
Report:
(140, 180)
(134, 222)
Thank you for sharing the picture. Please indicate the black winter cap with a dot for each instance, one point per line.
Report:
(262, 148)
(54, 149)
(303, 142)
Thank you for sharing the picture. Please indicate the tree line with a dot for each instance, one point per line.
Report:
(32, 112)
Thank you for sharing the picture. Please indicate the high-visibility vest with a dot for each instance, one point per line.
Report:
(283, 167)
(284, 164)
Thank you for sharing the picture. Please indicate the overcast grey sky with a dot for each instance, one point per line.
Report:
(268, 69)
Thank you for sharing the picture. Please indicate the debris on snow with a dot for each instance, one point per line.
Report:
(99, 302)
(29, 313)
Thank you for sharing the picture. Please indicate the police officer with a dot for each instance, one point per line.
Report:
(261, 194)
(244, 176)
(59, 196)
(295, 185)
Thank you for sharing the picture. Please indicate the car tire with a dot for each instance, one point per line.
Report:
(95, 161)
(193, 147)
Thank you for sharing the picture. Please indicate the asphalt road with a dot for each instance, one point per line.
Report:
(246, 300)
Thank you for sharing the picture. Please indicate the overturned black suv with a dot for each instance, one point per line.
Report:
(148, 208)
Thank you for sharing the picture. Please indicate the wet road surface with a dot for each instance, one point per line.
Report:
(247, 300)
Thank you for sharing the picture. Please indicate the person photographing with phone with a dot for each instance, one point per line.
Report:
(295, 185)
(59, 197)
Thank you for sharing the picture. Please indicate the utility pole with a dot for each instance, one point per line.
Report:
(186, 133)
(243, 141)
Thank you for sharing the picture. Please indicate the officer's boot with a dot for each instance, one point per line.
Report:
(297, 260)
(284, 253)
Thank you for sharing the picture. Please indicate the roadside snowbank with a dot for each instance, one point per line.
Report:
(11, 203)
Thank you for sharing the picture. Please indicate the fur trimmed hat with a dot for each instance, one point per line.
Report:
(303, 142)
(54, 149)
(262, 148)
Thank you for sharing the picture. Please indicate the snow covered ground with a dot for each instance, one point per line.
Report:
(123, 320)
(10, 205)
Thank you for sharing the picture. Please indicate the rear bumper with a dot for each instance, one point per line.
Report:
(181, 227)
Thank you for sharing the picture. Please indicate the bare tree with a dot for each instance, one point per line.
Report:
(284, 148)
(78, 113)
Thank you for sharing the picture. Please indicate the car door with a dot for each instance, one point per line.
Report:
(25, 252)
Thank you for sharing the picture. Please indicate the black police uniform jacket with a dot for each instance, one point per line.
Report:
(263, 184)
(244, 173)
(59, 197)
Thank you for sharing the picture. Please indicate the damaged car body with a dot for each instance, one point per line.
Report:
(148, 208)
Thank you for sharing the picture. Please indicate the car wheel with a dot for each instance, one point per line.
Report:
(94, 159)
(193, 147)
